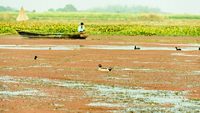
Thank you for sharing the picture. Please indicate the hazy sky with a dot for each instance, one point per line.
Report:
(173, 6)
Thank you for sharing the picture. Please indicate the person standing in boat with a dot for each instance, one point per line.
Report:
(81, 28)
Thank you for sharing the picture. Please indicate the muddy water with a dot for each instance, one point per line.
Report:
(103, 47)
(134, 99)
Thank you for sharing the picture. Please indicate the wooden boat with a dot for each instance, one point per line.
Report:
(56, 35)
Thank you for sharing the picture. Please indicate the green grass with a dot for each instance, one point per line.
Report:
(194, 17)
(104, 24)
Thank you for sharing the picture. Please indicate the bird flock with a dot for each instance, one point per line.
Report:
(107, 69)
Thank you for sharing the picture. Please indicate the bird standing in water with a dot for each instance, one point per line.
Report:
(136, 48)
(100, 68)
(178, 49)
(35, 58)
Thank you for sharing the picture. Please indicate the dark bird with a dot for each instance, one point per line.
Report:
(35, 58)
(178, 49)
(199, 48)
(100, 68)
(136, 48)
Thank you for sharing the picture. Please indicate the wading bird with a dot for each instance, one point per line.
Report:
(35, 58)
(178, 49)
(136, 48)
(100, 68)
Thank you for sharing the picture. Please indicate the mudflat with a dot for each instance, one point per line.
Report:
(68, 80)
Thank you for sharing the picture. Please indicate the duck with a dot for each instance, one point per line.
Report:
(178, 49)
(136, 48)
(100, 68)
(35, 58)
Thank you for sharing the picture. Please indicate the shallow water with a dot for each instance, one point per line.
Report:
(27, 92)
(127, 98)
(40, 47)
(101, 104)
(143, 70)
(196, 72)
(101, 47)
(130, 69)
(183, 54)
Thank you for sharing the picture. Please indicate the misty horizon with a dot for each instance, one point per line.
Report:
(175, 6)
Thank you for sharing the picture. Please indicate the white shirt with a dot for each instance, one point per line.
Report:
(81, 29)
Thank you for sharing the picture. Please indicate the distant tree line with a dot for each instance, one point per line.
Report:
(2, 9)
(126, 9)
(114, 9)
(67, 8)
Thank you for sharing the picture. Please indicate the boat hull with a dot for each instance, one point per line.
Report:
(55, 36)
